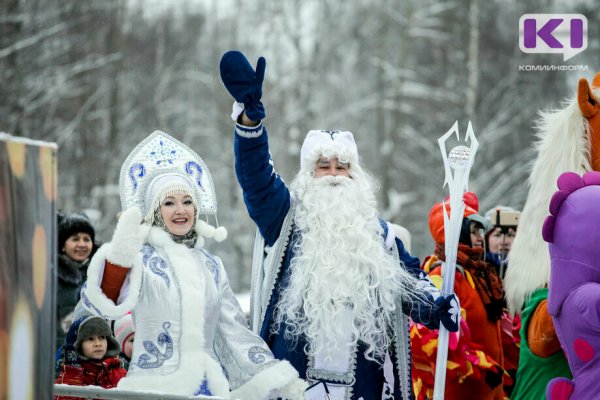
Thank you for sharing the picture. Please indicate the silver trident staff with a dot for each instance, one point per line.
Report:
(460, 159)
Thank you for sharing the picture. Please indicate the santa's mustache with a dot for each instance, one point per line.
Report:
(330, 180)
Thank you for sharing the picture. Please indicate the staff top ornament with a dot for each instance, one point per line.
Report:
(460, 157)
(457, 166)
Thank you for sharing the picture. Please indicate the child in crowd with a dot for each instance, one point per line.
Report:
(124, 333)
(89, 356)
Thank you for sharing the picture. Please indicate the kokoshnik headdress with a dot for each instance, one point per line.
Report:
(160, 161)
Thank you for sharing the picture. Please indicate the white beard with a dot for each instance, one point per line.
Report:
(341, 264)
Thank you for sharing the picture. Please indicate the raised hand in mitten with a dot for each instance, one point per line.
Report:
(128, 239)
(126, 244)
(243, 83)
(449, 311)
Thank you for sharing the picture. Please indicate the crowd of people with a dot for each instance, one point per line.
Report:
(339, 307)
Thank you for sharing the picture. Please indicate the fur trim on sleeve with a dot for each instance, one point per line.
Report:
(96, 301)
(280, 378)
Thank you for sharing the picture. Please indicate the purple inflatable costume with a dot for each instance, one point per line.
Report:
(573, 233)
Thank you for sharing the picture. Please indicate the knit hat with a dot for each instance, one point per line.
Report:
(93, 325)
(436, 215)
(166, 185)
(124, 329)
(328, 144)
(70, 224)
(163, 186)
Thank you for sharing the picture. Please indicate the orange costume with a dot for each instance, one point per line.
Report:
(475, 358)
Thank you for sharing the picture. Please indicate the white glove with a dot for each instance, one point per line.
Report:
(128, 239)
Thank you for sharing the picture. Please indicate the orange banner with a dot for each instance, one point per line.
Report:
(27, 267)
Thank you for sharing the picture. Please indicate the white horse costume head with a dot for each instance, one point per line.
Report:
(568, 140)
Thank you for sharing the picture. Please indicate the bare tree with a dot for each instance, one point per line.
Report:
(97, 77)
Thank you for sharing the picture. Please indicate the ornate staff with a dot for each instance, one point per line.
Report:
(460, 159)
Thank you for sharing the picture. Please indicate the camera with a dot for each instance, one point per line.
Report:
(509, 219)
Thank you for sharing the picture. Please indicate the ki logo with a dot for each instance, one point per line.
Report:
(553, 33)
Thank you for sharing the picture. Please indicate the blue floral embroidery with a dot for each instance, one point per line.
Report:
(158, 266)
(203, 389)
(214, 265)
(155, 263)
(189, 166)
(255, 354)
(132, 173)
(87, 303)
(164, 340)
(147, 252)
(165, 152)
(333, 134)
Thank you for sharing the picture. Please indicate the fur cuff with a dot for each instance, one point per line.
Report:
(281, 379)
(96, 301)
(293, 391)
(128, 238)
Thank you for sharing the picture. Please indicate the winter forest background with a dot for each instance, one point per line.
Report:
(96, 77)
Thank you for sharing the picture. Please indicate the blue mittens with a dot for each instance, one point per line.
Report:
(243, 83)
(449, 311)
(435, 310)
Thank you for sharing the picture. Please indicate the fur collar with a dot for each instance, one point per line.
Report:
(71, 271)
(158, 237)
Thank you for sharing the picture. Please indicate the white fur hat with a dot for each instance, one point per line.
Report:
(328, 144)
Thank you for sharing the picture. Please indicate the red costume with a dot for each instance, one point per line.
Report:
(475, 358)
(105, 373)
